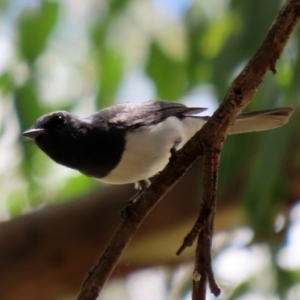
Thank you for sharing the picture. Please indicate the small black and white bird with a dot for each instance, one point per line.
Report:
(132, 142)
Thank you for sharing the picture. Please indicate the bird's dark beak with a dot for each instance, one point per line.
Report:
(32, 134)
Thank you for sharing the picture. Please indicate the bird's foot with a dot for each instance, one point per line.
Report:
(142, 184)
(173, 150)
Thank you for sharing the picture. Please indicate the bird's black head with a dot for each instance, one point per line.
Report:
(88, 145)
(56, 134)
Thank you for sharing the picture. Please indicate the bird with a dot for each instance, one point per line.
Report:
(132, 142)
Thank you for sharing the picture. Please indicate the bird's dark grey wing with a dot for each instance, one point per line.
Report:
(144, 113)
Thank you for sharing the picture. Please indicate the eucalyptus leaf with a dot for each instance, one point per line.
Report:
(34, 28)
(169, 75)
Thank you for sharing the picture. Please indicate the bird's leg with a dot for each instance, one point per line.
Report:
(140, 186)
(173, 150)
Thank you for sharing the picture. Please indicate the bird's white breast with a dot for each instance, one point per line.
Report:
(147, 149)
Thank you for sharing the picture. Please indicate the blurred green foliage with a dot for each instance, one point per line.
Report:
(34, 28)
(168, 74)
(98, 45)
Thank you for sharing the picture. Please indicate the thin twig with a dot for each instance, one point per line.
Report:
(203, 262)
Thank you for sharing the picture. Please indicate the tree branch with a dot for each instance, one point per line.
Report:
(214, 131)
(209, 140)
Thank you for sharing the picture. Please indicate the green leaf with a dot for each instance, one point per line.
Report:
(169, 75)
(34, 28)
(240, 290)
(76, 186)
(27, 104)
(117, 5)
(6, 83)
(285, 280)
(111, 67)
(15, 205)
(238, 151)
(27, 109)
(265, 190)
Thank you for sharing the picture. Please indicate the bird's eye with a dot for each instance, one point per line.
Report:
(55, 122)
(59, 121)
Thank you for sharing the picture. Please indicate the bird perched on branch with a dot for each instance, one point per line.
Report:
(132, 142)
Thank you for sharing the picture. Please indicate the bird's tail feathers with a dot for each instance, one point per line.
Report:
(260, 120)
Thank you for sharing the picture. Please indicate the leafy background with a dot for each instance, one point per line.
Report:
(83, 55)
